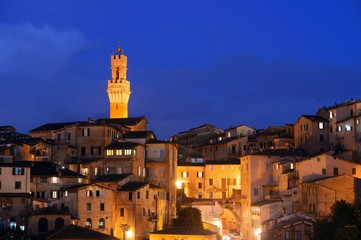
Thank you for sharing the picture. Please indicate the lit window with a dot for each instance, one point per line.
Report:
(321, 125)
(86, 132)
(101, 223)
(357, 121)
(128, 152)
(110, 152)
(199, 174)
(118, 152)
(184, 174)
(223, 167)
(85, 171)
(88, 223)
(89, 193)
(66, 193)
(54, 194)
(339, 129)
(210, 167)
(55, 180)
(348, 128)
(331, 114)
(18, 171)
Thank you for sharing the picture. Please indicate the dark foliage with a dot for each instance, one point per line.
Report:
(189, 217)
(344, 223)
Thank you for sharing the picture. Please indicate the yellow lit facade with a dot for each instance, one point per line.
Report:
(118, 87)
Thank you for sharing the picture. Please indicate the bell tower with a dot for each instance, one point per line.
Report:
(118, 87)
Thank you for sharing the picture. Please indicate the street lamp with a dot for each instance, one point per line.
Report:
(125, 228)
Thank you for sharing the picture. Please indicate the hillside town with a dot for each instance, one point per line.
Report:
(112, 178)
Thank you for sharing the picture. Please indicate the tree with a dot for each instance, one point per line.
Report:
(189, 217)
(343, 225)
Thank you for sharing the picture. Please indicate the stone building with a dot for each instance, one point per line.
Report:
(311, 133)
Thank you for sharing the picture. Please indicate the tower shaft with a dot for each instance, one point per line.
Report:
(118, 86)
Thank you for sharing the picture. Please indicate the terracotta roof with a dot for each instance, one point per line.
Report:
(123, 121)
(53, 126)
(315, 118)
(223, 161)
(132, 186)
(122, 145)
(51, 169)
(139, 134)
(75, 232)
(185, 230)
(49, 211)
(111, 177)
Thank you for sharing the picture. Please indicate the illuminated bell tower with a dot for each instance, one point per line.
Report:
(118, 87)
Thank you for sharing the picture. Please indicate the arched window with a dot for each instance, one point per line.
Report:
(101, 223)
(88, 223)
(59, 222)
(43, 225)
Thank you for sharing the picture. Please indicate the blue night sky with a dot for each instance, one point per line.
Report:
(258, 63)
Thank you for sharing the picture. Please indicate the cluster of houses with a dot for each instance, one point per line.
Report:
(112, 178)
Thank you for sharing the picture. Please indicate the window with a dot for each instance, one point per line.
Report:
(98, 193)
(331, 114)
(88, 223)
(200, 185)
(122, 212)
(130, 196)
(323, 171)
(256, 192)
(54, 194)
(146, 194)
(118, 152)
(199, 174)
(223, 167)
(0, 171)
(55, 180)
(210, 182)
(69, 136)
(210, 195)
(184, 174)
(86, 132)
(88, 206)
(18, 171)
(138, 195)
(89, 193)
(101, 207)
(43, 180)
(335, 171)
(110, 152)
(17, 185)
(348, 128)
(128, 152)
(82, 151)
(339, 129)
(161, 153)
(85, 171)
(210, 167)
(321, 125)
(101, 223)
(353, 171)
(95, 150)
(321, 138)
